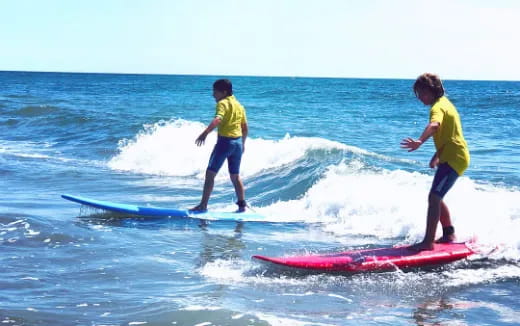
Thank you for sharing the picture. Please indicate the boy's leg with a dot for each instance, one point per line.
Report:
(217, 158)
(239, 186)
(206, 192)
(444, 179)
(434, 209)
(434, 213)
(448, 232)
(234, 161)
(445, 215)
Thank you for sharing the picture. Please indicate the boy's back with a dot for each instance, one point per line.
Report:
(232, 115)
(449, 137)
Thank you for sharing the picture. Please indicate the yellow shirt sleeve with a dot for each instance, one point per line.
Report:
(436, 114)
(220, 111)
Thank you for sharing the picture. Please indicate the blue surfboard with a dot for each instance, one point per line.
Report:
(164, 212)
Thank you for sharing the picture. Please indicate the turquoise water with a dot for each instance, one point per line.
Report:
(323, 164)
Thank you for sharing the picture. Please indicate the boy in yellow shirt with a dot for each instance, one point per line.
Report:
(451, 157)
(230, 117)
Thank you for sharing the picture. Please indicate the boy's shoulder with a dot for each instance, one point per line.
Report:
(227, 99)
(443, 103)
(230, 101)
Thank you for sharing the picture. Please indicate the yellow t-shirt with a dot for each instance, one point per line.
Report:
(232, 115)
(449, 138)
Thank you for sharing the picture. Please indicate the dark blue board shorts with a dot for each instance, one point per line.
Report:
(226, 148)
(444, 179)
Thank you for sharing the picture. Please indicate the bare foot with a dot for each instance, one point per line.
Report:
(446, 239)
(198, 209)
(421, 246)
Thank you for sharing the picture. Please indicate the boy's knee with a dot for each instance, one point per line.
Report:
(434, 198)
(210, 174)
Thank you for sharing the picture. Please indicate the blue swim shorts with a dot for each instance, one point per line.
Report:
(444, 179)
(226, 148)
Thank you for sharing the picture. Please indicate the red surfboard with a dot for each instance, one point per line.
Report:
(379, 259)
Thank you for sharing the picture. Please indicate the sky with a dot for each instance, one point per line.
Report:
(457, 39)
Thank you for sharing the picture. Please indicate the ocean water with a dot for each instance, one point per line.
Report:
(322, 163)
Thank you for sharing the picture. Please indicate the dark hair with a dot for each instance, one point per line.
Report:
(430, 82)
(224, 85)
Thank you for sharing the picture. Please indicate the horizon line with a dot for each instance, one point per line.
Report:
(238, 75)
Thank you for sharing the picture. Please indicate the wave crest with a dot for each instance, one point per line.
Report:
(168, 148)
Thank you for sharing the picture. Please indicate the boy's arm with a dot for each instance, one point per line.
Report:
(434, 162)
(202, 137)
(245, 130)
(412, 145)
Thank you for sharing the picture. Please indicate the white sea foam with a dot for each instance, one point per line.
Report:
(462, 277)
(33, 150)
(245, 273)
(199, 307)
(392, 204)
(168, 148)
(282, 321)
(29, 149)
(235, 272)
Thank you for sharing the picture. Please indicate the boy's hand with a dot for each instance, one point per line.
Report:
(201, 139)
(410, 144)
(434, 162)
